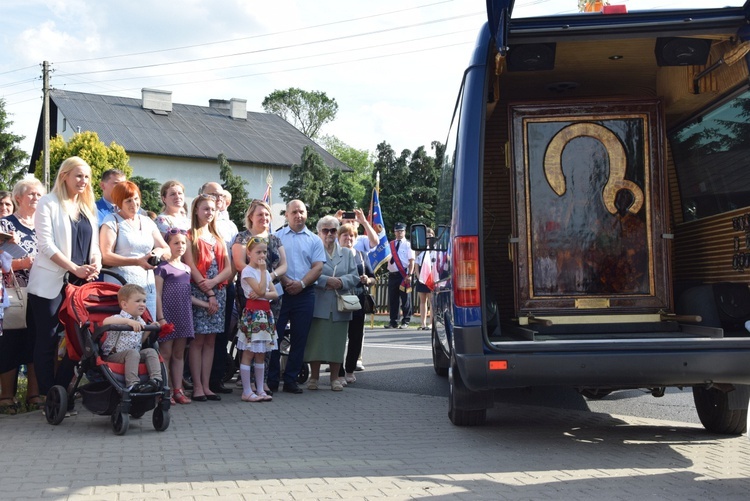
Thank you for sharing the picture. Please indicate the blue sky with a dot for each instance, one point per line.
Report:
(393, 66)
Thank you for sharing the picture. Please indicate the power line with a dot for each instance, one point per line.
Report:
(322, 54)
(334, 39)
(300, 68)
(294, 30)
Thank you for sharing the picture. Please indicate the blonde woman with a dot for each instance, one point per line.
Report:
(68, 239)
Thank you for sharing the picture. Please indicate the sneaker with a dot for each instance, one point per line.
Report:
(360, 367)
(390, 326)
(350, 378)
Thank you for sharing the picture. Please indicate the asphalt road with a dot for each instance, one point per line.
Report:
(401, 361)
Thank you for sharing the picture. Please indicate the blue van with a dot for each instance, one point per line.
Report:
(593, 222)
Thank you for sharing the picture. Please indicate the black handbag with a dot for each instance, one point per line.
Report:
(367, 302)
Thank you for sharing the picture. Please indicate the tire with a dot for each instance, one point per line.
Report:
(160, 419)
(232, 362)
(120, 421)
(458, 395)
(714, 412)
(56, 405)
(304, 373)
(440, 362)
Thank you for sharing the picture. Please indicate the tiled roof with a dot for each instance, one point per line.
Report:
(188, 131)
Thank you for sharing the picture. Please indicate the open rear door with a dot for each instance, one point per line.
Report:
(498, 17)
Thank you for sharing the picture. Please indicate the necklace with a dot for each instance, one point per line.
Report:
(27, 221)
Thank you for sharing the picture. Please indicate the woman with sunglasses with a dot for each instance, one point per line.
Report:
(327, 338)
(258, 224)
(207, 256)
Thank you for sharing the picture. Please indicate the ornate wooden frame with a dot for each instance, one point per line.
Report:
(590, 208)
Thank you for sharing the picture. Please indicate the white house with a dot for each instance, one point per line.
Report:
(168, 140)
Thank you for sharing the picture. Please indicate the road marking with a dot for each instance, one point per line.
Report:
(398, 346)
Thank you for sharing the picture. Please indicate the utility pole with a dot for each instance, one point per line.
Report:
(45, 107)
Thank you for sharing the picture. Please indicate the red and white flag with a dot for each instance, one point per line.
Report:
(426, 275)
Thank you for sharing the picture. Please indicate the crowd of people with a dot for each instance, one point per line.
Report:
(189, 268)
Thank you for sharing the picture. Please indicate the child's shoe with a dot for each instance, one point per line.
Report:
(265, 396)
(251, 398)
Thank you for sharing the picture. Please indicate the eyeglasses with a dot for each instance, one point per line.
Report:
(328, 231)
(213, 196)
(257, 240)
(175, 231)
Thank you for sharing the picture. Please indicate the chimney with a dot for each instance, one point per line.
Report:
(219, 104)
(238, 108)
(158, 101)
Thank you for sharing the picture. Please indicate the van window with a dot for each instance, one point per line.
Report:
(444, 206)
(712, 156)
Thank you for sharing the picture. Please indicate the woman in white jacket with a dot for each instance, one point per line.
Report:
(68, 239)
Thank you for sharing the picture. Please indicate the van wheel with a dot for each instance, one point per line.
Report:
(714, 412)
(458, 396)
(440, 362)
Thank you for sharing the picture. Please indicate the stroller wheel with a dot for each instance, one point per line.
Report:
(56, 405)
(160, 419)
(120, 421)
(304, 373)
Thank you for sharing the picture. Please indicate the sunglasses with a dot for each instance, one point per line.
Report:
(328, 231)
(175, 231)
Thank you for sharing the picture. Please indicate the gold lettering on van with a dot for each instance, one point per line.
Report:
(617, 164)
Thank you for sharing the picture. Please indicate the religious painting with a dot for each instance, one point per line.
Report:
(589, 208)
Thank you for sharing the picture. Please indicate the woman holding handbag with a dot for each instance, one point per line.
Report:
(356, 331)
(16, 345)
(327, 338)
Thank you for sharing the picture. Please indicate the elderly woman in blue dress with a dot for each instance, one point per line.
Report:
(327, 339)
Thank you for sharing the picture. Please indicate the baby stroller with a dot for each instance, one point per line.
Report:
(84, 308)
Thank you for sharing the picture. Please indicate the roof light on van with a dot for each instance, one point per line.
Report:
(466, 281)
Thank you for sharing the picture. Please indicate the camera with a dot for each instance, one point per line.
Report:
(154, 260)
(349, 215)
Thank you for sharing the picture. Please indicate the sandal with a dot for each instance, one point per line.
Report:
(10, 409)
(265, 396)
(36, 405)
(180, 397)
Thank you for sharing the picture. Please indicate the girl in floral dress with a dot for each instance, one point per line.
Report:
(257, 334)
(208, 259)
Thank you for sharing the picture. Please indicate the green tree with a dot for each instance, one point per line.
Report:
(310, 181)
(87, 146)
(358, 183)
(408, 184)
(306, 110)
(11, 156)
(150, 198)
(235, 185)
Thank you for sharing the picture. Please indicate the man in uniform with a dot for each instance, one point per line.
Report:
(400, 271)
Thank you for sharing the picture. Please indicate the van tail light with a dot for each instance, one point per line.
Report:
(466, 271)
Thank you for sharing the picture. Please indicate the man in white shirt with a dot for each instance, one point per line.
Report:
(400, 271)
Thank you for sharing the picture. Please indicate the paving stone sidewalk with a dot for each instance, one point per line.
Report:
(363, 444)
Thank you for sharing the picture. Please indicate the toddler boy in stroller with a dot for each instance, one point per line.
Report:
(124, 347)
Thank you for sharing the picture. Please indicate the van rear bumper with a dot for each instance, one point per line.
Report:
(624, 365)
